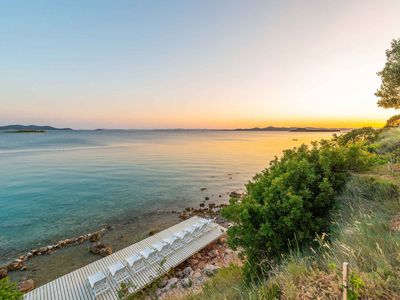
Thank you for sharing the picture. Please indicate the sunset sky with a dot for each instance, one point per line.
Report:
(194, 64)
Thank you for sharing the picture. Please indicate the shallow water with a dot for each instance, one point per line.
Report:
(63, 183)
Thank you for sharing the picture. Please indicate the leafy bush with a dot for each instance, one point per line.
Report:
(291, 202)
(365, 135)
(8, 290)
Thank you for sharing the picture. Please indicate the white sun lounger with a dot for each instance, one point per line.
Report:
(163, 248)
(98, 283)
(196, 229)
(119, 272)
(184, 236)
(136, 263)
(173, 241)
(205, 224)
(193, 230)
(150, 255)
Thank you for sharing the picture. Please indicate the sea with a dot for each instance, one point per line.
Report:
(61, 184)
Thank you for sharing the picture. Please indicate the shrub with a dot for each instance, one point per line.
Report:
(365, 135)
(8, 290)
(291, 201)
(393, 122)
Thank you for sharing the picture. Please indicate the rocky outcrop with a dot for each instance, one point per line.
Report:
(19, 263)
(211, 211)
(26, 286)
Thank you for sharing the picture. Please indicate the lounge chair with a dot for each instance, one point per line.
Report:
(184, 236)
(173, 241)
(119, 272)
(205, 224)
(195, 229)
(150, 255)
(163, 248)
(98, 283)
(136, 263)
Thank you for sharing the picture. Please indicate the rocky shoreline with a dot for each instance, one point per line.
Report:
(213, 256)
(19, 263)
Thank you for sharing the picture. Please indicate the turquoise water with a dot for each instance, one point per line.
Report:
(62, 183)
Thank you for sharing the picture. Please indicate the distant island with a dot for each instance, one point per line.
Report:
(292, 129)
(29, 128)
(25, 131)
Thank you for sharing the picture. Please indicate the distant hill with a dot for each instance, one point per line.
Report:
(269, 128)
(291, 129)
(30, 127)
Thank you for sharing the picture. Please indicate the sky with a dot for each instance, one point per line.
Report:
(194, 64)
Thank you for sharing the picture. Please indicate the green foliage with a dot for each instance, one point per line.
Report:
(355, 285)
(389, 92)
(388, 143)
(291, 202)
(365, 135)
(393, 122)
(8, 290)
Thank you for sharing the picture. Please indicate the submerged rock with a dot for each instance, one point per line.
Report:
(101, 249)
(27, 285)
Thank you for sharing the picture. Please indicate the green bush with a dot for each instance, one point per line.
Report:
(291, 202)
(8, 290)
(365, 135)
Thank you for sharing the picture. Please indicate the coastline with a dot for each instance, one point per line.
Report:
(46, 263)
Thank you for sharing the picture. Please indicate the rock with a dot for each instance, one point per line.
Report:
(15, 265)
(193, 261)
(3, 272)
(179, 274)
(101, 249)
(187, 271)
(203, 189)
(172, 282)
(198, 277)
(153, 231)
(186, 283)
(210, 270)
(27, 285)
(94, 237)
(162, 282)
(202, 205)
(207, 198)
(235, 194)
(220, 196)
(107, 250)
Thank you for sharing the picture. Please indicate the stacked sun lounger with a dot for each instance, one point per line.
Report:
(119, 272)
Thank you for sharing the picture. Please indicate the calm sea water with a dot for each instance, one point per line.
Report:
(63, 183)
